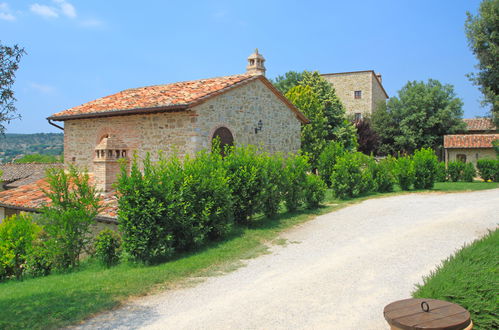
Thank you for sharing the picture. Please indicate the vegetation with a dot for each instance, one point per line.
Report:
(468, 278)
(9, 63)
(482, 32)
(419, 117)
(14, 146)
(38, 158)
(455, 170)
(403, 171)
(107, 247)
(425, 168)
(488, 169)
(367, 137)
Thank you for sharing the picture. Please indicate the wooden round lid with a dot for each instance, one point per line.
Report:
(426, 314)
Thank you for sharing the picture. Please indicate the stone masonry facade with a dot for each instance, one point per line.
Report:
(366, 82)
(472, 155)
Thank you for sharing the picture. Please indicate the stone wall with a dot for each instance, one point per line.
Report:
(472, 155)
(378, 95)
(240, 110)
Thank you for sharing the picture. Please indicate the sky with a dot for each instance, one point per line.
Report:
(78, 51)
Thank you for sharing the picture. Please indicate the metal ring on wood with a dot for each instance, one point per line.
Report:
(425, 309)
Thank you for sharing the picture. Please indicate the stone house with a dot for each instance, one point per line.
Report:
(183, 117)
(473, 145)
(361, 92)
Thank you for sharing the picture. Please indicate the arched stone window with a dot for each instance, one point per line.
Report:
(225, 136)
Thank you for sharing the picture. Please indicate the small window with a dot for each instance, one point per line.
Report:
(357, 94)
(461, 158)
(358, 116)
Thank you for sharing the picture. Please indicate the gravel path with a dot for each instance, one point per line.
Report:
(337, 272)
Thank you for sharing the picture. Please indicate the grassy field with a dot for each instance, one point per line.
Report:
(62, 299)
(469, 278)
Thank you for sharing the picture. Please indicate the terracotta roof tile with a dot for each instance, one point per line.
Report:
(159, 96)
(470, 140)
(15, 175)
(479, 124)
(31, 197)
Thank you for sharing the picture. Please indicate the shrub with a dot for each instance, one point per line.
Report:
(107, 245)
(327, 160)
(455, 170)
(368, 168)
(74, 204)
(469, 172)
(488, 169)
(272, 190)
(315, 191)
(246, 180)
(403, 170)
(17, 234)
(347, 176)
(441, 175)
(294, 178)
(382, 175)
(425, 168)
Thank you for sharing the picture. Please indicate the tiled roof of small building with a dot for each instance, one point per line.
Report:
(479, 124)
(30, 197)
(15, 175)
(469, 140)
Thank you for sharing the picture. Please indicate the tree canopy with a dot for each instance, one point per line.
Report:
(9, 60)
(419, 117)
(482, 32)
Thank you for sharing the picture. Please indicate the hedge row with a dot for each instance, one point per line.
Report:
(172, 206)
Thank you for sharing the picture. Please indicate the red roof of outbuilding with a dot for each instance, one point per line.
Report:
(479, 124)
(470, 140)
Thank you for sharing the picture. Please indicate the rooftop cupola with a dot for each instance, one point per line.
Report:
(256, 64)
(107, 161)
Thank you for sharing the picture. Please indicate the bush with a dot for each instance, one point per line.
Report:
(441, 175)
(327, 160)
(403, 170)
(455, 170)
(294, 179)
(315, 191)
(469, 172)
(272, 190)
(347, 177)
(382, 175)
(425, 168)
(74, 204)
(107, 245)
(488, 169)
(17, 234)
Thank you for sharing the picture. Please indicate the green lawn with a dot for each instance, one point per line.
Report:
(469, 278)
(62, 299)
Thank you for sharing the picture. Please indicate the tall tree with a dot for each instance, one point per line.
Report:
(9, 60)
(288, 81)
(313, 135)
(482, 31)
(366, 136)
(418, 118)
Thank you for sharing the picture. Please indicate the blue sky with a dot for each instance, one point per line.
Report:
(81, 50)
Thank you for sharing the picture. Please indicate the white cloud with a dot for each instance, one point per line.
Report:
(5, 12)
(44, 11)
(45, 89)
(66, 8)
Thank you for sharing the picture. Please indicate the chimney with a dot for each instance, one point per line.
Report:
(256, 64)
(107, 162)
(379, 77)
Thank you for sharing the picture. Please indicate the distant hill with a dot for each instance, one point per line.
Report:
(14, 146)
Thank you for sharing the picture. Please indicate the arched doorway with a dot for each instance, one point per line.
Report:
(225, 136)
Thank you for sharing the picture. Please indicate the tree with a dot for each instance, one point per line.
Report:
(367, 137)
(288, 81)
(39, 158)
(9, 60)
(418, 118)
(482, 32)
(314, 134)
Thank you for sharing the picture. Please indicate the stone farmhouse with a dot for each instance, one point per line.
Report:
(361, 92)
(473, 145)
(182, 117)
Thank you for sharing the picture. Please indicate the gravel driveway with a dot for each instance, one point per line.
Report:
(337, 272)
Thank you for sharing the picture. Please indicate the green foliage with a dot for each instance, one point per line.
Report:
(74, 204)
(347, 135)
(347, 177)
(482, 32)
(495, 145)
(314, 134)
(294, 179)
(107, 245)
(455, 170)
(272, 194)
(327, 160)
(488, 169)
(469, 172)
(38, 158)
(403, 170)
(288, 81)
(468, 278)
(17, 234)
(16, 145)
(418, 117)
(382, 175)
(9, 63)
(315, 191)
(441, 175)
(425, 168)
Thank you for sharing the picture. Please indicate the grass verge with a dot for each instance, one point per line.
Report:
(62, 299)
(469, 278)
